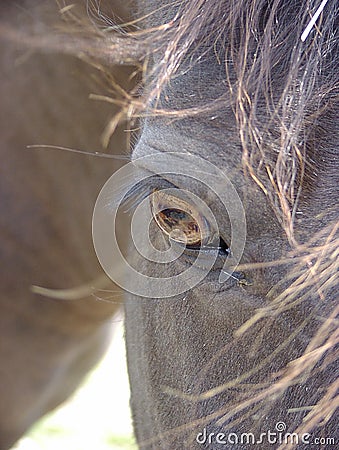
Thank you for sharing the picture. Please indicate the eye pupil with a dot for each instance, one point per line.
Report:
(173, 219)
(173, 216)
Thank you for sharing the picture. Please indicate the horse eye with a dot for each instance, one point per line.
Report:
(180, 220)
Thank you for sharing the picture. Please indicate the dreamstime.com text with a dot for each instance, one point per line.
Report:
(278, 436)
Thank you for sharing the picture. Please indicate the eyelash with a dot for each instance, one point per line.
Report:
(222, 248)
(140, 191)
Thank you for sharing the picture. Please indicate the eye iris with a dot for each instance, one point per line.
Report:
(172, 219)
(173, 216)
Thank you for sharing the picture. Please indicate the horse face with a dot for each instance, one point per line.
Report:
(209, 360)
(188, 366)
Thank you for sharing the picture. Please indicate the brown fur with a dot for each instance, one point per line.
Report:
(47, 199)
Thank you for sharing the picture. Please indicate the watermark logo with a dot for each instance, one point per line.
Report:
(278, 436)
(280, 426)
(184, 167)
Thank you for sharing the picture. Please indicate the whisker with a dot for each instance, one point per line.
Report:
(108, 299)
(82, 152)
(76, 293)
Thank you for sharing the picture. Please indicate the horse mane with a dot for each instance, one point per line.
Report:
(270, 70)
(282, 90)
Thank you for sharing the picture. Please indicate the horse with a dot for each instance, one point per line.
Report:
(230, 310)
(49, 342)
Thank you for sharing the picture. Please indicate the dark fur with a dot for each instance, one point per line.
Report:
(244, 90)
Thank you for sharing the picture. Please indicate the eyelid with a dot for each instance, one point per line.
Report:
(223, 248)
(143, 189)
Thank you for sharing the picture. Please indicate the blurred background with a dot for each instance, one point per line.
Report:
(97, 416)
(47, 195)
